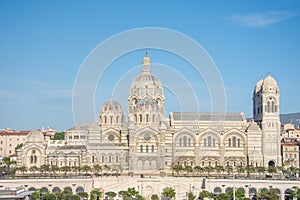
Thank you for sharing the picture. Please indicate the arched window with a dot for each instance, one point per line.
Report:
(205, 142)
(184, 141)
(152, 148)
(111, 119)
(209, 163)
(141, 148)
(70, 163)
(229, 142)
(147, 148)
(93, 159)
(105, 120)
(147, 118)
(209, 141)
(109, 159)
(216, 163)
(117, 158)
(180, 142)
(203, 163)
(75, 163)
(273, 107)
(268, 107)
(239, 142)
(234, 141)
(141, 118)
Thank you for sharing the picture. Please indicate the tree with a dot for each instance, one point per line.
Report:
(168, 193)
(86, 168)
(19, 146)
(250, 170)
(260, 170)
(83, 195)
(111, 195)
(240, 169)
(97, 169)
(65, 169)
(223, 196)
(95, 194)
(35, 195)
(154, 197)
(22, 169)
(266, 194)
(272, 170)
(44, 168)
(295, 192)
(229, 170)
(208, 169)
(49, 196)
(33, 169)
(239, 194)
(132, 192)
(124, 194)
(198, 169)
(54, 169)
(177, 168)
(205, 194)
(191, 196)
(188, 169)
(219, 169)
(59, 136)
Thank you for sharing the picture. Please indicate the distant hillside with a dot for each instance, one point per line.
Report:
(293, 118)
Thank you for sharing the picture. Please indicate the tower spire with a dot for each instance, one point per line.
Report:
(146, 63)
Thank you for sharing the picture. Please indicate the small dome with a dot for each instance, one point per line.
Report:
(270, 81)
(147, 104)
(258, 85)
(111, 106)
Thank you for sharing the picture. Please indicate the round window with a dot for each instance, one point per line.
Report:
(111, 137)
(147, 137)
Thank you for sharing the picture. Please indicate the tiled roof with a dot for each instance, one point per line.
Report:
(208, 116)
(14, 132)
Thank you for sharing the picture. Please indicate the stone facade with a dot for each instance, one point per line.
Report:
(148, 143)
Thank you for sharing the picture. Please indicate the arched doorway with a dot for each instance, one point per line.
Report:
(287, 194)
(79, 189)
(68, 189)
(44, 190)
(56, 190)
(271, 163)
(217, 191)
(252, 193)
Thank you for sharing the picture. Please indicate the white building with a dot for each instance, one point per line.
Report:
(150, 143)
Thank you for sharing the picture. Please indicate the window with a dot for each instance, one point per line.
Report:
(102, 158)
(141, 118)
(146, 148)
(239, 142)
(184, 141)
(229, 142)
(1, 142)
(216, 163)
(105, 119)
(111, 119)
(141, 148)
(70, 137)
(209, 163)
(203, 163)
(209, 141)
(117, 119)
(192, 163)
(117, 158)
(70, 163)
(234, 141)
(147, 118)
(180, 142)
(291, 156)
(109, 159)
(76, 137)
(286, 155)
(295, 156)
(74, 163)
(152, 148)
(93, 159)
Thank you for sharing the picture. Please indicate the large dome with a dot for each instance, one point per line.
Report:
(146, 84)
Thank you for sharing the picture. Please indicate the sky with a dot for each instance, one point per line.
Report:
(43, 44)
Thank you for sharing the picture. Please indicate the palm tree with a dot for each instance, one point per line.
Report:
(83, 195)
(198, 169)
(97, 169)
(208, 169)
(95, 194)
(86, 168)
(219, 169)
(260, 170)
(154, 197)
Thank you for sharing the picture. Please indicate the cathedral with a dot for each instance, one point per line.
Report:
(147, 142)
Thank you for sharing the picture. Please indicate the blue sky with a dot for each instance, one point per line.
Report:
(43, 44)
